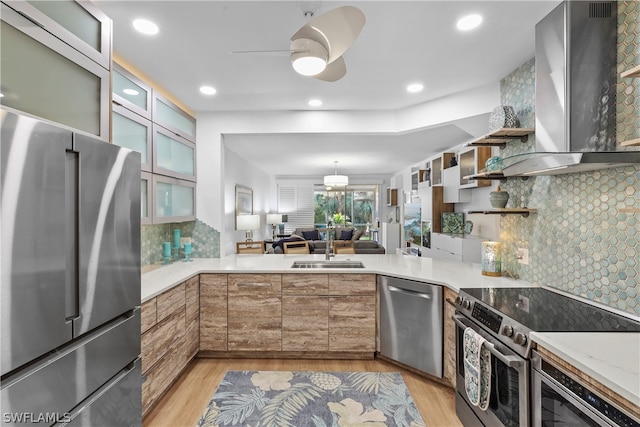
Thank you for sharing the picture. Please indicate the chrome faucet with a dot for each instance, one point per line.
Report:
(328, 253)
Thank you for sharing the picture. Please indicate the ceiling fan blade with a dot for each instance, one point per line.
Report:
(263, 52)
(336, 30)
(334, 71)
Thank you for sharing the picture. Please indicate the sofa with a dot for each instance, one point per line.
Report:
(318, 241)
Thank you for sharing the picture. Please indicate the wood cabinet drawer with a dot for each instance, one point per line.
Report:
(170, 301)
(157, 340)
(352, 284)
(163, 374)
(213, 312)
(305, 284)
(147, 315)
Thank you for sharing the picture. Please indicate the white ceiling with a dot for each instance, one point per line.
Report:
(402, 42)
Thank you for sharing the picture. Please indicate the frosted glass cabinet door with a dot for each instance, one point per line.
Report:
(131, 92)
(171, 117)
(79, 24)
(76, 89)
(146, 199)
(173, 155)
(132, 131)
(174, 200)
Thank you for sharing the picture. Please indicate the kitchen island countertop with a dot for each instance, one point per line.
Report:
(451, 274)
(611, 358)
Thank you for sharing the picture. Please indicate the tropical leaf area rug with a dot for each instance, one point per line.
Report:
(311, 399)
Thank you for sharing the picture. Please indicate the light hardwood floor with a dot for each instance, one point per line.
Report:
(185, 401)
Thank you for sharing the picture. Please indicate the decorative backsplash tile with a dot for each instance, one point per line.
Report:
(584, 238)
(205, 240)
(628, 90)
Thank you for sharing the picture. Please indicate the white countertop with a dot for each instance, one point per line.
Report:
(451, 274)
(613, 359)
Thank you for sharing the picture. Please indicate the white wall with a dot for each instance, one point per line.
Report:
(239, 172)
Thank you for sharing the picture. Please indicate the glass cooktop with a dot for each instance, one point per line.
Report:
(543, 310)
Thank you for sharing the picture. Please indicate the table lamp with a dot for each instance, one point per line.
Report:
(248, 223)
(274, 220)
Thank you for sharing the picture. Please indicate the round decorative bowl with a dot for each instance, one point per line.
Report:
(494, 163)
(503, 116)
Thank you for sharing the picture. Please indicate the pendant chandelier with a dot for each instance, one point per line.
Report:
(336, 180)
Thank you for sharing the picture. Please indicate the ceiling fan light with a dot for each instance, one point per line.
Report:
(308, 57)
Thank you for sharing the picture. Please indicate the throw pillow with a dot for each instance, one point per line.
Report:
(311, 235)
(357, 235)
(346, 234)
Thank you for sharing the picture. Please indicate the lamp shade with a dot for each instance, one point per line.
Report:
(274, 219)
(248, 222)
(336, 180)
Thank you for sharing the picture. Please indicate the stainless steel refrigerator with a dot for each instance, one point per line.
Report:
(70, 271)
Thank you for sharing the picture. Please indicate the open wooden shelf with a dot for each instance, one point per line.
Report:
(631, 143)
(633, 72)
(499, 137)
(488, 175)
(506, 211)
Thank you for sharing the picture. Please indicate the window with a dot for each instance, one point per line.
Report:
(353, 206)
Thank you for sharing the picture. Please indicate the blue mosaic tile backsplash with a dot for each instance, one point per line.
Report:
(205, 240)
(584, 237)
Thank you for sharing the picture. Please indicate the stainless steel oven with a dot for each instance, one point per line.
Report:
(509, 396)
(560, 398)
(505, 317)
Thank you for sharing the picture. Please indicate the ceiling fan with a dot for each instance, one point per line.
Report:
(316, 49)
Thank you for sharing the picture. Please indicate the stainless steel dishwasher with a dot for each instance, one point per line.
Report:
(411, 323)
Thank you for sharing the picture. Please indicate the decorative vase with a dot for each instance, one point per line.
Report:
(498, 198)
(503, 116)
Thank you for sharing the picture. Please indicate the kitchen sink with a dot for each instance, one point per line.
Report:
(327, 264)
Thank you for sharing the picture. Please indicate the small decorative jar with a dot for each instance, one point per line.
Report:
(498, 198)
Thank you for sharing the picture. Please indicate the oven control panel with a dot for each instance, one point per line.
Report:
(586, 395)
(487, 317)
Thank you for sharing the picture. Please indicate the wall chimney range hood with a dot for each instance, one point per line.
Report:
(575, 93)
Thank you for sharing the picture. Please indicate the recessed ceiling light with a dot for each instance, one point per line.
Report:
(145, 26)
(415, 87)
(315, 103)
(469, 22)
(208, 90)
(132, 92)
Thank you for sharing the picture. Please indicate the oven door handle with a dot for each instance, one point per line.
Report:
(510, 361)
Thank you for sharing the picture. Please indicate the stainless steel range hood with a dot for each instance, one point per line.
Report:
(575, 93)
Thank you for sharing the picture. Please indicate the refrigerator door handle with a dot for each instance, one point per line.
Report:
(72, 281)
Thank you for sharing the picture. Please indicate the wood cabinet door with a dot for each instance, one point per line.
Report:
(449, 366)
(255, 312)
(213, 312)
(305, 323)
(192, 316)
(352, 323)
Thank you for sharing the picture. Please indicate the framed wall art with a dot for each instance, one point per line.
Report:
(244, 202)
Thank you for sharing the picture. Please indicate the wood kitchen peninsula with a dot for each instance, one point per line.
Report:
(258, 306)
